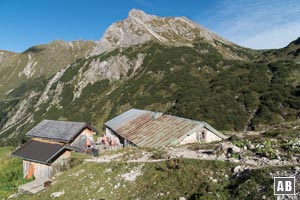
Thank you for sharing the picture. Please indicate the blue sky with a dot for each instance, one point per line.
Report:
(251, 23)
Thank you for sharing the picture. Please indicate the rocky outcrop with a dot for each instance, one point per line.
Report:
(29, 69)
(5, 55)
(21, 111)
(111, 69)
(45, 95)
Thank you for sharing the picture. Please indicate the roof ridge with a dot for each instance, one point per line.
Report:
(64, 121)
(64, 131)
(38, 151)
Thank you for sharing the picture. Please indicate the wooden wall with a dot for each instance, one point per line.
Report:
(40, 170)
(80, 142)
(47, 171)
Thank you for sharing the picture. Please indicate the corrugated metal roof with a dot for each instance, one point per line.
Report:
(41, 152)
(57, 130)
(147, 130)
(125, 117)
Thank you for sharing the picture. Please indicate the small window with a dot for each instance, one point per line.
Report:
(203, 135)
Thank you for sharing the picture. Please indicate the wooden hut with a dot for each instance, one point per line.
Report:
(50, 146)
(42, 159)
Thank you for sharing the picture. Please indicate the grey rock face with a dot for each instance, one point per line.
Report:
(140, 27)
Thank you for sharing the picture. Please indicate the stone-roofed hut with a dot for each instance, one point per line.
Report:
(50, 146)
(74, 134)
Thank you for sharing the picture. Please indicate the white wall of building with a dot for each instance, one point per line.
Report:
(201, 135)
(192, 138)
(211, 137)
(110, 134)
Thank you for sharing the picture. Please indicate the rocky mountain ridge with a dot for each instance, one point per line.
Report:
(39, 61)
(140, 28)
(4, 55)
(171, 65)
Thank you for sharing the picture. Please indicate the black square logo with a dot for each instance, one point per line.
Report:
(284, 186)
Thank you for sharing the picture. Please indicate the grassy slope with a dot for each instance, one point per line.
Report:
(11, 173)
(4, 152)
(164, 180)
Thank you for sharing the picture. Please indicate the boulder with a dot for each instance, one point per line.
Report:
(57, 194)
(251, 162)
(160, 194)
(227, 147)
(250, 146)
(12, 196)
(296, 169)
(237, 169)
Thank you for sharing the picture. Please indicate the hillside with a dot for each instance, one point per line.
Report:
(125, 177)
(38, 62)
(290, 52)
(193, 171)
(153, 181)
(161, 64)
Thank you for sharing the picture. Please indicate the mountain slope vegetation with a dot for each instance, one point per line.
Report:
(40, 61)
(204, 78)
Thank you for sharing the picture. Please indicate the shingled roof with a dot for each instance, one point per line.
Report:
(150, 129)
(40, 152)
(57, 130)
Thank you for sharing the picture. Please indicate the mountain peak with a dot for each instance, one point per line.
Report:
(136, 13)
(140, 15)
(140, 27)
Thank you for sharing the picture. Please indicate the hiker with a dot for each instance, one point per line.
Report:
(104, 139)
(112, 143)
(88, 143)
(88, 150)
(108, 143)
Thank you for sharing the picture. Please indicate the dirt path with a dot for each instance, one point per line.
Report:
(182, 152)
(145, 157)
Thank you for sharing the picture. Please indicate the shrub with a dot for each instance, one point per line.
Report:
(239, 142)
(266, 149)
(77, 159)
(292, 146)
(158, 154)
(175, 163)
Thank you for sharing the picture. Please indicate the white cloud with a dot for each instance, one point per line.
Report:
(276, 37)
(258, 24)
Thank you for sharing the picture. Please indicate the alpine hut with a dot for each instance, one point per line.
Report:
(154, 129)
(50, 146)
